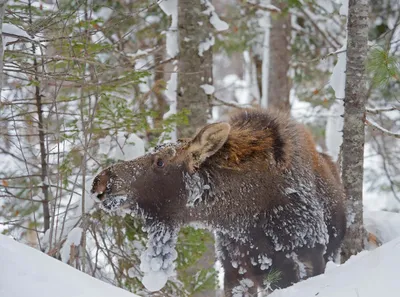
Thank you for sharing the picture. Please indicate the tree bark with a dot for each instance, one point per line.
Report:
(353, 130)
(195, 69)
(2, 10)
(42, 136)
(279, 60)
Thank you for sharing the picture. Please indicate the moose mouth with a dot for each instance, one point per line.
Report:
(110, 203)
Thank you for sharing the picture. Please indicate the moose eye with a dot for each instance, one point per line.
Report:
(160, 163)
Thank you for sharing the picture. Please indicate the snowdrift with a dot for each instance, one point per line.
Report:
(369, 274)
(28, 272)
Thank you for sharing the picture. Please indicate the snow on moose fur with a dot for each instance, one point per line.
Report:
(258, 181)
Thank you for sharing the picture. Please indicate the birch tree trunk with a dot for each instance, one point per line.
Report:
(195, 70)
(353, 130)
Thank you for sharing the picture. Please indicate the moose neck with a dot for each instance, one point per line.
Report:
(221, 198)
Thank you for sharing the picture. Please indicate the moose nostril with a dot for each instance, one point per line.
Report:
(100, 195)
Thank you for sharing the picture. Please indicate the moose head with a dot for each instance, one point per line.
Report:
(159, 184)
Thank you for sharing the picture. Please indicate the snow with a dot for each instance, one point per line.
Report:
(127, 148)
(218, 24)
(73, 238)
(12, 33)
(32, 273)
(157, 261)
(170, 93)
(334, 127)
(338, 78)
(385, 225)
(208, 89)
(206, 44)
(344, 8)
(12, 29)
(170, 8)
(368, 274)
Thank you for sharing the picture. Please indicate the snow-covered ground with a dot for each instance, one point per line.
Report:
(369, 274)
(28, 272)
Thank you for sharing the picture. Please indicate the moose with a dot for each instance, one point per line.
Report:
(274, 202)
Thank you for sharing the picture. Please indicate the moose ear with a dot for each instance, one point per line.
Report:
(208, 141)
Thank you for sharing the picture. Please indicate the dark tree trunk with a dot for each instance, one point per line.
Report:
(279, 60)
(353, 130)
(195, 69)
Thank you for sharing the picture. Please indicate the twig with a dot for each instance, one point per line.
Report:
(319, 30)
(379, 110)
(231, 104)
(375, 126)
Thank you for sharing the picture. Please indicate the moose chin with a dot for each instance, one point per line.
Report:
(275, 203)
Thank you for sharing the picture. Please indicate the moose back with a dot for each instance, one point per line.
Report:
(275, 203)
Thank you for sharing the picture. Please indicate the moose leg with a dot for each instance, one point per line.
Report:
(311, 262)
(237, 283)
(239, 278)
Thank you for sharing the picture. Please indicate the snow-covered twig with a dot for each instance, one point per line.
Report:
(265, 7)
(384, 131)
(379, 110)
(230, 104)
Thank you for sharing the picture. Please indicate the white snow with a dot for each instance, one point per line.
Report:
(170, 8)
(127, 147)
(344, 8)
(334, 128)
(338, 78)
(29, 272)
(334, 125)
(157, 261)
(385, 225)
(12, 33)
(208, 89)
(206, 44)
(368, 274)
(12, 29)
(170, 93)
(73, 238)
(218, 24)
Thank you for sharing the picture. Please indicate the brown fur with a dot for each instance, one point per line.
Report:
(269, 193)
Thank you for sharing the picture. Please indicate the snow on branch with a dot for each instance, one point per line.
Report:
(231, 104)
(384, 131)
(379, 110)
(264, 6)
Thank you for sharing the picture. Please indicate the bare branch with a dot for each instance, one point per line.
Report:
(379, 110)
(384, 131)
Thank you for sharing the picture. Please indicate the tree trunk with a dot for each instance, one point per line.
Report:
(279, 60)
(195, 69)
(2, 10)
(42, 135)
(195, 66)
(353, 130)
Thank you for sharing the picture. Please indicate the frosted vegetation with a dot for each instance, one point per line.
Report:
(87, 84)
